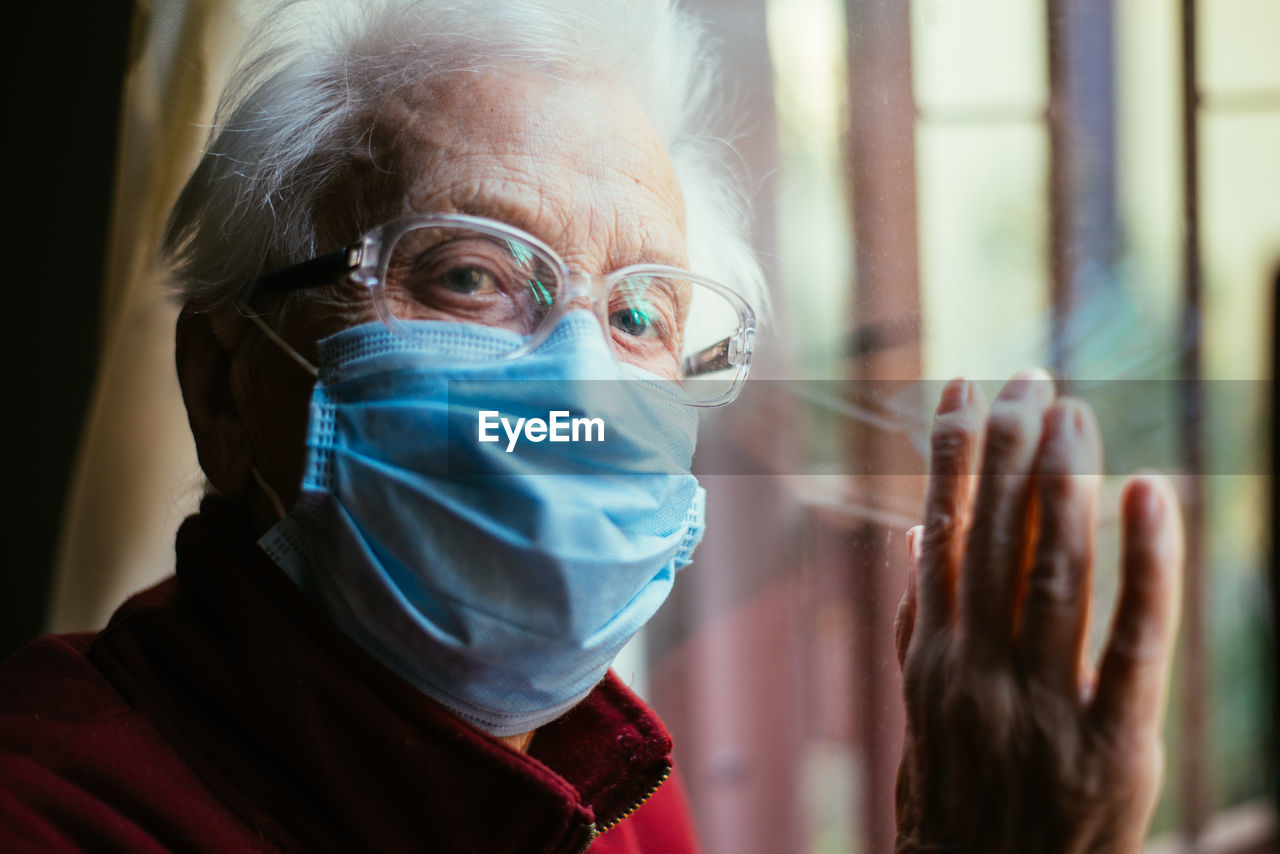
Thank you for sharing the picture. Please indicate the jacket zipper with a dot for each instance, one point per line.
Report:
(594, 830)
(662, 778)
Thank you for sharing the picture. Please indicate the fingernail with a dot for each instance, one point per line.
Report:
(1065, 418)
(1153, 505)
(1146, 503)
(955, 395)
(1024, 382)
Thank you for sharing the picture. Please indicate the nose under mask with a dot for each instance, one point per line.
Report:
(499, 577)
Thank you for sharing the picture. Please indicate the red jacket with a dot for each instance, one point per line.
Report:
(219, 711)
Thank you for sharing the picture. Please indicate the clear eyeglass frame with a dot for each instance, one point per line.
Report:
(365, 264)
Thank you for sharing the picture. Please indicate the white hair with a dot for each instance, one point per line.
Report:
(287, 175)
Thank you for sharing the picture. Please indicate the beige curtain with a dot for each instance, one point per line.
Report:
(136, 474)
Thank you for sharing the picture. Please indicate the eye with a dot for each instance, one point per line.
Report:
(635, 320)
(641, 309)
(469, 280)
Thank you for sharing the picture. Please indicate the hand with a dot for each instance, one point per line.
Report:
(1013, 744)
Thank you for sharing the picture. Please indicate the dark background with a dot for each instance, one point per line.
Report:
(65, 74)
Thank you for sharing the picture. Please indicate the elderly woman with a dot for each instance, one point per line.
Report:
(456, 278)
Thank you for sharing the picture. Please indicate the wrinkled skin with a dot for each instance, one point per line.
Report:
(1013, 743)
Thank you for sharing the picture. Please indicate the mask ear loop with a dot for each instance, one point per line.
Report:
(271, 493)
(275, 337)
(284, 345)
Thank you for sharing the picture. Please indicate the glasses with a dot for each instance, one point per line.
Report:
(468, 269)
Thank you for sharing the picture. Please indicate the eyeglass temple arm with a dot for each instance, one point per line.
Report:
(707, 360)
(318, 272)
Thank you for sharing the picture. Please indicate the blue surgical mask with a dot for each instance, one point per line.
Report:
(499, 577)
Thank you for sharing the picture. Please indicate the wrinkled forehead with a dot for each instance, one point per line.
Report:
(575, 163)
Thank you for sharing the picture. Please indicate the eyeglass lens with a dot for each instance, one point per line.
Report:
(677, 328)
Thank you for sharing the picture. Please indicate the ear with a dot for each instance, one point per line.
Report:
(204, 372)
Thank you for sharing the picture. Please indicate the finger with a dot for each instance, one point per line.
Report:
(904, 622)
(1135, 664)
(957, 428)
(997, 541)
(1055, 610)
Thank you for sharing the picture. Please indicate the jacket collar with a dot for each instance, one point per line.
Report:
(314, 743)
